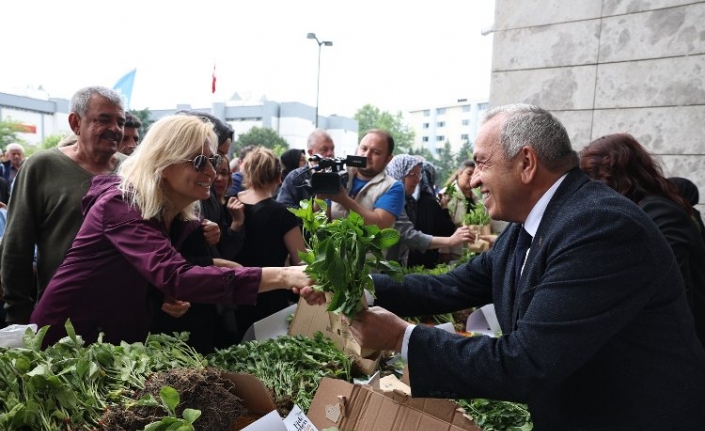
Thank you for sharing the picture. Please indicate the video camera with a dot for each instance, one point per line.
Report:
(329, 173)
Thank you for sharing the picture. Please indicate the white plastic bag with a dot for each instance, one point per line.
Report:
(11, 336)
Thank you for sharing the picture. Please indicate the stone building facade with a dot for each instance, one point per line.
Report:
(606, 66)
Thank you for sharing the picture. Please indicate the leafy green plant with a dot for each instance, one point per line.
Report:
(496, 415)
(341, 255)
(291, 366)
(477, 216)
(170, 399)
(69, 385)
(450, 190)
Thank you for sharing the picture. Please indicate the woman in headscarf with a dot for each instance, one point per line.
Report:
(407, 169)
(430, 217)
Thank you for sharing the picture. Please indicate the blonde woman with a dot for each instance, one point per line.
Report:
(272, 231)
(133, 226)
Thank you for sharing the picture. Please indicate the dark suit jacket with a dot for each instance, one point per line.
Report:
(600, 336)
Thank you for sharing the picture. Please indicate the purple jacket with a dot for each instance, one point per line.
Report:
(103, 282)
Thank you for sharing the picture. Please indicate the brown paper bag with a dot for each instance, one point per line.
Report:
(310, 319)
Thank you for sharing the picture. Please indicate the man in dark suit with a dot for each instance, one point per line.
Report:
(596, 332)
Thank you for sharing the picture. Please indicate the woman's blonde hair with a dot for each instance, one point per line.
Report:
(171, 140)
(261, 168)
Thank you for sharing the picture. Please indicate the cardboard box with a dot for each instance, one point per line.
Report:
(310, 319)
(258, 402)
(345, 406)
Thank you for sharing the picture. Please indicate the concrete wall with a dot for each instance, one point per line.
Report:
(606, 66)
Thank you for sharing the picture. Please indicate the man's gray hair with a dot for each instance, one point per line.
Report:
(14, 146)
(79, 101)
(530, 125)
(314, 136)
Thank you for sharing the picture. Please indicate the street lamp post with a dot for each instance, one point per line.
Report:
(320, 43)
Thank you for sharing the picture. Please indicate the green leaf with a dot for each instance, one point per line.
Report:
(33, 341)
(147, 400)
(70, 330)
(22, 365)
(387, 238)
(371, 230)
(191, 415)
(67, 398)
(170, 397)
(356, 219)
(336, 301)
(180, 426)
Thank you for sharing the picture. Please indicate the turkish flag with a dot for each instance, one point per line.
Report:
(213, 85)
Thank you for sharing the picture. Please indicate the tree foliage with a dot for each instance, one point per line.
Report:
(445, 163)
(144, 116)
(263, 137)
(445, 160)
(371, 117)
(8, 133)
(465, 152)
(50, 141)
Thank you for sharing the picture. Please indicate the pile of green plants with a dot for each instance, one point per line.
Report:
(74, 386)
(291, 366)
(70, 385)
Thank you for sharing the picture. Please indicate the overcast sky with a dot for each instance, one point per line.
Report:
(396, 55)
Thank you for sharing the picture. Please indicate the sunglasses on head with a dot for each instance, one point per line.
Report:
(199, 162)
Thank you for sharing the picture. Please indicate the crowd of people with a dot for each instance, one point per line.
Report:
(598, 280)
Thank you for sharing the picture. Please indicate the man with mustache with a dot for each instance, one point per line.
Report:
(46, 198)
(371, 193)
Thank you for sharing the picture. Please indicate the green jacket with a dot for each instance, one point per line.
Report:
(44, 210)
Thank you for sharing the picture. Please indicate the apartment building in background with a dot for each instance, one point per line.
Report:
(455, 123)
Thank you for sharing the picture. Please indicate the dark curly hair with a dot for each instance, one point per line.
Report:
(619, 161)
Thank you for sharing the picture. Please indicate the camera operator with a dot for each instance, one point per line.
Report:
(294, 189)
(377, 197)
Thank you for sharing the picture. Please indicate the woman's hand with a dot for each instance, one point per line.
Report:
(174, 307)
(462, 235)
(443, 200)
(312, 297)
(489, 238)
(295, 276)
(237, 212)
(301, 285)
(211, 232)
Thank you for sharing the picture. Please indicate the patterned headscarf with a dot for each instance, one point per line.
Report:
(401, 165)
